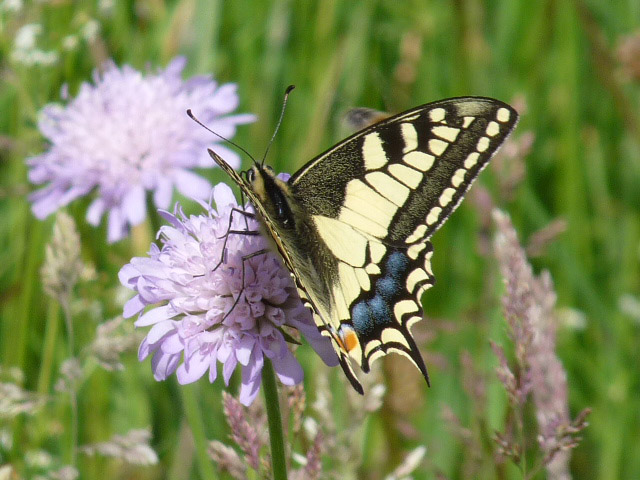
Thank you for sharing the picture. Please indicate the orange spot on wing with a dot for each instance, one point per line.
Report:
(350, 340)
(346, 338)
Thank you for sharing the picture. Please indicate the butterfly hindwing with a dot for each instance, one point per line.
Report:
(382, 316)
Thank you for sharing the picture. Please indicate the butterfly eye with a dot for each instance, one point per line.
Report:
(269, 169)
(251, 175)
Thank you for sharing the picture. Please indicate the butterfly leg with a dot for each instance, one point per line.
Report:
(246, 231)
(245, 258)
(242, 212)
(230, 231)
(245, 215)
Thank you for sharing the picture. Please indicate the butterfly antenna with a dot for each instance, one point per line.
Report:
(284, 105)
(193, 117)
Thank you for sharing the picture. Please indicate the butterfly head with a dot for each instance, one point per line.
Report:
(272, 193)
(256, 173)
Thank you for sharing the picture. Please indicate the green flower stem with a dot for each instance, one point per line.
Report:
(276, 435)
(65, 303)
(194, 417)
(49, 347)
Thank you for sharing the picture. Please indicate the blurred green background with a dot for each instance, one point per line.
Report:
(573, 69)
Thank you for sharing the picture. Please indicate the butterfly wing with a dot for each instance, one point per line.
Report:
(374, 200)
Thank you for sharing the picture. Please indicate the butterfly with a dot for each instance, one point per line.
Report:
(353, 224)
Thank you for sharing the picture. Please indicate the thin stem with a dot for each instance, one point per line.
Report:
(536, 469)
(184, 453)
(523, 439)
(66, 309)
(276, 435)
(49, 347)
(74, 426)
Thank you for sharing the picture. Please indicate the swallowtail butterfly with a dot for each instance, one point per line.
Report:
(353, 225)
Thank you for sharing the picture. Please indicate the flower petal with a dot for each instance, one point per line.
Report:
(213, 369)
(176, 66)
(193, 368)
(192, 185)
(241, 118)
(228, 368)
(163, 193)
(164, 365)
(133, 306)
(251, 378)
(223, 196)
(159, 330)
(249, 391)
(320, 343)
(127, 274)
(116, 227)
(95, 212)
(288, 369)
(134, 206)
(46, 205)
(226, 98)
(244, 349)
(144, 350)
(154, 316)
(125, 133)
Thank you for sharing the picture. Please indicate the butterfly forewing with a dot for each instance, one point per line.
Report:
(406, 167)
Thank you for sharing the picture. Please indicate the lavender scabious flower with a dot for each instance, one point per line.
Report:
(206, 313)
(126, 134)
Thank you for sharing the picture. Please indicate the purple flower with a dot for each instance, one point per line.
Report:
(126, 134)
(202, 311)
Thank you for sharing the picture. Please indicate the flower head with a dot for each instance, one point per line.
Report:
(126, 134)
(216, 307)
(529, 304)
(63, 264)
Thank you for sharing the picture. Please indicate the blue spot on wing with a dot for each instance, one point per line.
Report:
(361, 316)
(386, 287)
(373, 314)
(379, 308)
(397, 265)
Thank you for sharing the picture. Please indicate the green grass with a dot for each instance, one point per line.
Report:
(584, 167)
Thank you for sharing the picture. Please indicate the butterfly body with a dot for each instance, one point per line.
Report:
(353, 224)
